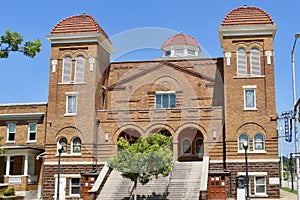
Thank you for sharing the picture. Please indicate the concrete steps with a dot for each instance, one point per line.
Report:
(185, 184)
(115, 188)
(185, 181)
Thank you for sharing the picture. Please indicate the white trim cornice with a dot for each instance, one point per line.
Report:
(243, 160)
(81, 38)
(246, 31)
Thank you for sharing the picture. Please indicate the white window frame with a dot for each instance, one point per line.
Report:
(168, 93)
(241, 66)
(253, 53)
(245, 89)
(202, 146)
(65, 147)
(69, 95)
(263, 143)
(8, 132)
(265, 185)
(182, 147)
(71, 186)
(79, 69)
(72, 146)
(66, 78)
(29, 132)
(242, 150)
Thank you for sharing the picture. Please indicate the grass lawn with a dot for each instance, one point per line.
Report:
(289, 190)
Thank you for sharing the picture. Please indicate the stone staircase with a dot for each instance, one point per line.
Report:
(154, 189)
(115, 188)
(185, 181)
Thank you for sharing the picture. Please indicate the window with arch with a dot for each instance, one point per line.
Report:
(67, 69)
(241, 62)
(76, 145)
(79, 69)
(255, 61)
(186, 146)
(199, 146)
(242, 138)
(259, 142)
(64, 143)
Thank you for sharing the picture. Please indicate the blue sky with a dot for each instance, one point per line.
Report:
(25, 79)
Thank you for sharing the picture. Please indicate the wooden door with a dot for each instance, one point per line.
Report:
(216, 187)
(88, 183)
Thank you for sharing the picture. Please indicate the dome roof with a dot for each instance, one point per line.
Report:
(180, 39)
(247, 16)
(78, 24)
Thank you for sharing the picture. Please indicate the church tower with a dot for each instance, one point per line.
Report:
(247, 35)
(80, 53)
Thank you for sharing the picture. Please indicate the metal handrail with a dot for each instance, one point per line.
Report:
(169, 178)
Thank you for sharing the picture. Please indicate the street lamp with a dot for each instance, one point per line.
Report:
(59, 149)
(245, 145)
(297, 35)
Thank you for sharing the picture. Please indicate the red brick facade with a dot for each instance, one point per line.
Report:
(205, 104)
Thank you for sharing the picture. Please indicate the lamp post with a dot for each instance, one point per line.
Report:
(245, 145)
(297, 35)
(59, 149)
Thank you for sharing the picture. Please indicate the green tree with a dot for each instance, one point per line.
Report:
(146, 158)
(13, 42)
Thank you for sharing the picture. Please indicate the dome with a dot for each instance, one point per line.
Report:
(247, 16)
(180, 39)
(79, 24)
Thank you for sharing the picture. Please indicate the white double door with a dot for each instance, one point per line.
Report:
(62, 188)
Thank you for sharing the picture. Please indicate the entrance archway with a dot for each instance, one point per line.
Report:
(190, 145)
(131, 135)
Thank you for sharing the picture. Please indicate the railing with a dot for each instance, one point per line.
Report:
(100, 179)
(130, 189)
(169, 179)
(15, 179)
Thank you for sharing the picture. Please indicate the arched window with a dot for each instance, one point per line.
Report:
(76, 145)
(186, 146)
(63, 142)
(67, 69)
(241, 62)
(199, 146)
(255, 61)
(243, 137)
(79, 69)
(259, 142)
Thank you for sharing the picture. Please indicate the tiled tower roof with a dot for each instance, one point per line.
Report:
(79, 24)
(180, 39)
(247, 16)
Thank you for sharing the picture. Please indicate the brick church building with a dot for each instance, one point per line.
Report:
(212, 107)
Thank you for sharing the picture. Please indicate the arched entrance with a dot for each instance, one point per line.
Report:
(190, 145)
(130, 134)
(164, 132)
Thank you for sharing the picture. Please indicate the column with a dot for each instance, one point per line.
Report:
(7, 165)
(25, 172)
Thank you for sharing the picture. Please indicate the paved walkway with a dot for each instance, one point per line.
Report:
(284, 195)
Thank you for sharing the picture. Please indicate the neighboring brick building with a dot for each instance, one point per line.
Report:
(210, 106)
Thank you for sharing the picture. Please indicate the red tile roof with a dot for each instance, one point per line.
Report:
(247, 16)
(180, 39)
(78, 24)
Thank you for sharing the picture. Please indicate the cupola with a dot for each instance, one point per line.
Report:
(180, 45)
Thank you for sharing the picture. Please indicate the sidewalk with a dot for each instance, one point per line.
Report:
(284, 195)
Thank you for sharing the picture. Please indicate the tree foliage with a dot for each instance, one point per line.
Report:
(146, 158)
(12, 42)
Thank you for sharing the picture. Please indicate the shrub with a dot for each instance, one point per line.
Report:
(9, 192)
